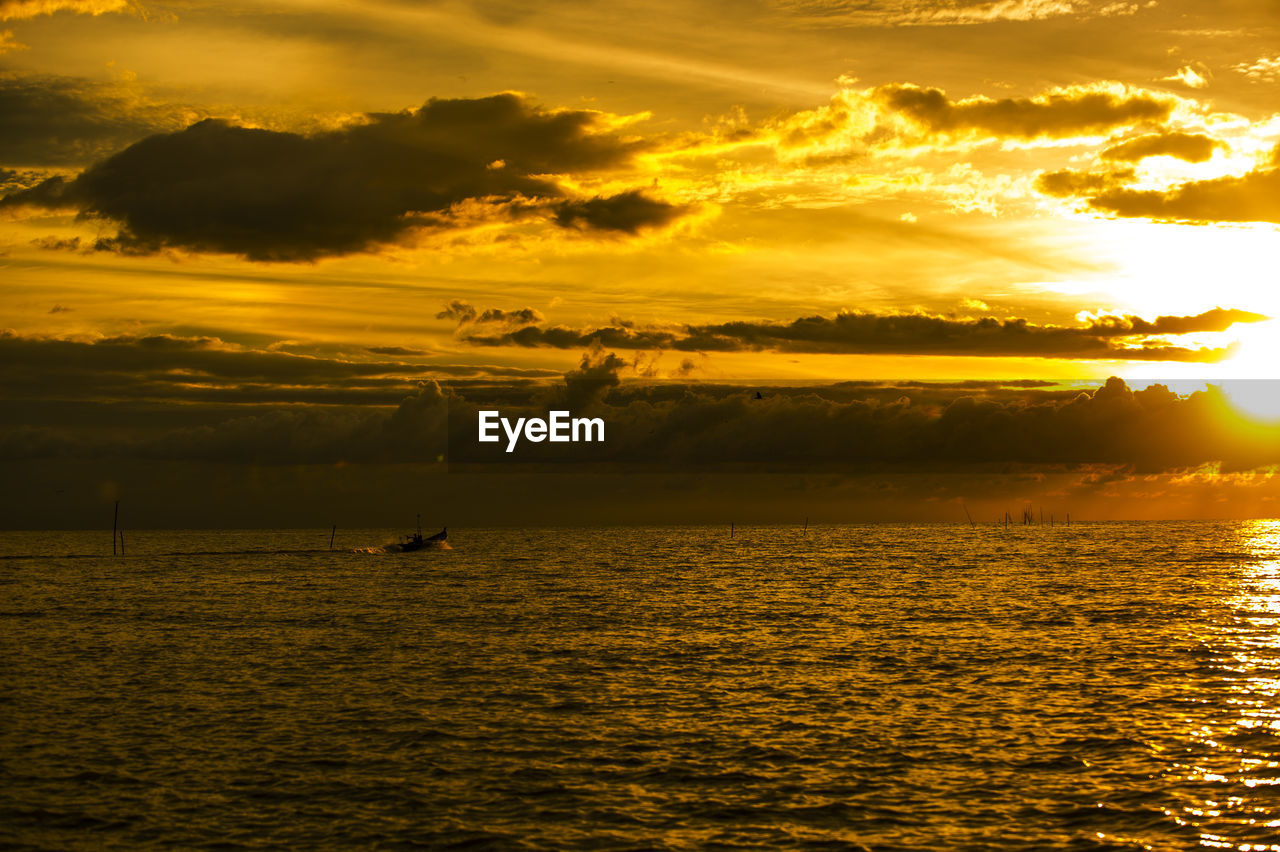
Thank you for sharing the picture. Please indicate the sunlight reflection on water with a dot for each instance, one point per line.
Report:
(1238, 746)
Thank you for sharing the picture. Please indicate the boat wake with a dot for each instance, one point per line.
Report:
(404, 547)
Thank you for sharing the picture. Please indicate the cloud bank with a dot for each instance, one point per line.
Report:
(1107, 337)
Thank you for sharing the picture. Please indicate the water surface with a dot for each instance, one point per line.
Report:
(1098, 686)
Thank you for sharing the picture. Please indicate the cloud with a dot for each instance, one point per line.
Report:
(465, 314)
(1192, 147)
(1252, 197)
(1194, 76)
(8, 43)
(889, 427)
(1265, 69)
(561, 337)
(866, 426)
(113, 398)
(1107, 337)
(414, 431)
(170, 369)
(597, 373)
(627, 212)
(277, 196)
(1058, 114)
(1214, 320)
(11, 10)
(394, 350)
(1068, 183)
(49, 120)
(916, 13)
(458, 310)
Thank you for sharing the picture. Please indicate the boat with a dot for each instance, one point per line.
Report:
(417, 541)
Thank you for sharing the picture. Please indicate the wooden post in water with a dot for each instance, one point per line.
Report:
(806, 524)
(331, 535)
(115, 526)
(731, 529)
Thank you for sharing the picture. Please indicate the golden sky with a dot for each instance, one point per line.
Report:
(825, 190)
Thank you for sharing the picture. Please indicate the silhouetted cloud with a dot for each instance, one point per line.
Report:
(1192, 147)
(276, 196)
(465, 314)
(597, 373)
(107, 412)
(628, 212)
(1107, 337)
(1064, 113)
(394, 350)
(459, 310)
(169, 369)
(891, 428)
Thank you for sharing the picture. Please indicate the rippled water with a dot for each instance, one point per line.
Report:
(1101, 686)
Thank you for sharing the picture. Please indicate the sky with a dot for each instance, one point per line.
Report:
(273, 256)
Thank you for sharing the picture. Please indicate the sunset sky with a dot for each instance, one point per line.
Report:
(241, 218)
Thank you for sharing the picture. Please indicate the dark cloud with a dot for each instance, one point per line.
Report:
(84, 412)
(1192, 147)
(889, 428)
(276, 196)
(59, 243)
(627, 212)
(597, 373)
(164, 369)
(519, 317)
(1108, 337)
(394, 350)
(68, 121)
(458, 310)
(464, 314)
(1055, 115)
(859, 426)
(414, 431)
(561, 337)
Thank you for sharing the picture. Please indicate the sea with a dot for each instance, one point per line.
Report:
(883, 687)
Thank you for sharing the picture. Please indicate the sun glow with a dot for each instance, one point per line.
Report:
(1258, 399)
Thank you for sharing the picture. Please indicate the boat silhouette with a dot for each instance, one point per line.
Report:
(417, 541)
